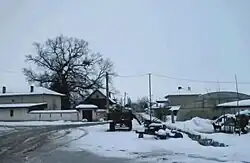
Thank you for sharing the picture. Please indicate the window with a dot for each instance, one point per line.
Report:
(13, 100)
(11, 113)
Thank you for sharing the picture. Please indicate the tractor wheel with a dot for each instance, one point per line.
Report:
(129, 123)
(112, 126)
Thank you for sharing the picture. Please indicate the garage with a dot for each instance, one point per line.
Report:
(87, 111)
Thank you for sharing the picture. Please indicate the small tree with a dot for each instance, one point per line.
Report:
(129, 102)
(143, 103)
(68, 66)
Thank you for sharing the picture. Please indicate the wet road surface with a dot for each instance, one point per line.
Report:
(34, 145)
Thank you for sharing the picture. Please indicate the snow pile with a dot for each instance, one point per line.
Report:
(196, 124)
(161, 132)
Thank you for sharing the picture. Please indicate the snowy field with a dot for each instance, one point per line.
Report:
(44, 123)
(127, 145)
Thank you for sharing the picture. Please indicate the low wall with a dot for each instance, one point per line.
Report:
(55, 116)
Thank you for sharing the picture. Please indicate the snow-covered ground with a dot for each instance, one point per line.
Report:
(128, 145)
(193, 125)
(43, 123)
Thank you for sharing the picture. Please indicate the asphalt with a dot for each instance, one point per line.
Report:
(34, 145)
(58, 156)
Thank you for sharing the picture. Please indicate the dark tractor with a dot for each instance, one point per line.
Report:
(122, 118)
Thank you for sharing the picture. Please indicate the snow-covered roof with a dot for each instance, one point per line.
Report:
(21, 105)
(234, 103)
(162, 100)
(182, 92)
(86, 106)
(36, 91)
(110, 98)
(52, 111)
(158, 105)
(244, 112)
(101, 110)
(174, 108)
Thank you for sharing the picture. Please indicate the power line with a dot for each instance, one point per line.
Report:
(199, 81)
(131, 76)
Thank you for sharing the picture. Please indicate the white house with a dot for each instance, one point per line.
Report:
(94, 107)
(17, 105)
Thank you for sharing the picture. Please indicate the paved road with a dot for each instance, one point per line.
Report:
(32, 145)
(58, 156)
(17, 144)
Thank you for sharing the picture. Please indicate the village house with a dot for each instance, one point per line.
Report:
(233, 107)
(186, 105)
(94, 107)
(207, 105)
(18, 105)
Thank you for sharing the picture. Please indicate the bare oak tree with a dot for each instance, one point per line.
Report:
(68, 66)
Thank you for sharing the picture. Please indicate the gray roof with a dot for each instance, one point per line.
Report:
(235, 103)
(21, 105)
(223, 95)
(37, 91)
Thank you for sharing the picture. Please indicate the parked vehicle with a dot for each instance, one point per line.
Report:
(121, 118)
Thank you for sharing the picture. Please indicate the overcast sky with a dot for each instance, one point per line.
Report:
(194, 39)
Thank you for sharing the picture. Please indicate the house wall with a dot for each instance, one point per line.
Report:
(205, 106)
(18, 114)
(56, 116)
(189, 113)
(182, 100)
(54, 102)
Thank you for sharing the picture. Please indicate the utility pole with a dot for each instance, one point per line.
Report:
(237, 89)
(150, 96)
(218, 93)
(107, 91)
(125, 96)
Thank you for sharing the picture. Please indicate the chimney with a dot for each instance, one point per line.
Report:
(4, 89)
(31, 88)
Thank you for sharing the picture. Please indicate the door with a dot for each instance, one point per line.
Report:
(87, 114)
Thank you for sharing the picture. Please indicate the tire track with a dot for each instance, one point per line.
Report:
(22, 142)
(67, 142)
